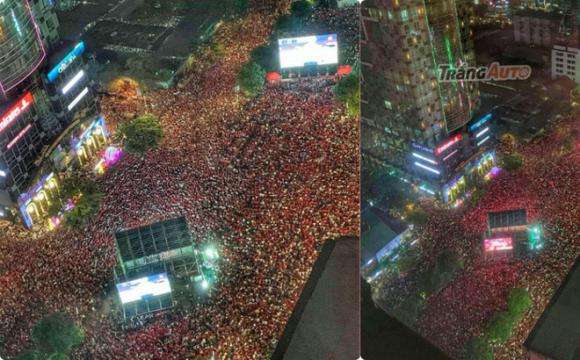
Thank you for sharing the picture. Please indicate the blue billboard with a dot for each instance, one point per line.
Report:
(64, 63)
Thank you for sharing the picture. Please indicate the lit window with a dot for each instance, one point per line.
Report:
(404, 15)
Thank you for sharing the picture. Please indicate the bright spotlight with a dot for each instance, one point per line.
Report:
(205, 284)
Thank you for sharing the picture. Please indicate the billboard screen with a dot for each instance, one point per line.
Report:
(66, 61)
(143, 288)
(499, 244)
(308, 50)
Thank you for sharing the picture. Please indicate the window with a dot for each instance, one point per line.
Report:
(404, 15)
(388, 105)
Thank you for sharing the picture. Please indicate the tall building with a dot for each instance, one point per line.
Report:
(46, 20)
(566, 62)
(414, 123)
(21, 48)
(49, 113)
(537, 27)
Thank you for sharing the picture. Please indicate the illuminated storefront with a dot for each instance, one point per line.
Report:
(93, 138)
(35, 204)
(454, 190)
(483, 167)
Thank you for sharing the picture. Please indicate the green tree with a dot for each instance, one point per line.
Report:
(251, 79)
(512, 162)
(347, 91)
(519, 302)
(263, 55)
(57, 333)
(408, 258)
(301, 9)
(85, 209)
(500, 327)
(418, 217)
(477, 349)
(141, 134)
(287, 25)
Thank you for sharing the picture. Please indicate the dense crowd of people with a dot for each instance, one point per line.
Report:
(275, 176)
(546, 186)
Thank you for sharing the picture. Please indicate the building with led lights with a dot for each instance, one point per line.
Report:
(46, 20)
(413, 123)
(68, 86)
(21, 48)
(49, 114)
(21, 142)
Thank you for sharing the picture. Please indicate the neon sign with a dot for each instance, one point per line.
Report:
(483, 141)
(448, 144)
(73, 81)
(65, 63)
(421, 147)
(498, 244)
(79, 97)
(15, 111)
(482, 132)
(418, 156)
(450, 155)
(480, 122)
(19, 136)
(427, 168)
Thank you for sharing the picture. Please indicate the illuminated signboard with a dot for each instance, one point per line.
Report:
(498, 244)
(73, 81)
(428, 168)
(143, 288)
(480, 122)
(448, 144)
(65, 63)
(308, 50)
(76, 100)
(421, 147)
(19, 136)
(14, 112)
(419, 156)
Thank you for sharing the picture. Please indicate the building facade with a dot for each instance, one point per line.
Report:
(566, 62)
(537, 27)
(49, 113)
(412, 122)
(21, 47)
(46, 20)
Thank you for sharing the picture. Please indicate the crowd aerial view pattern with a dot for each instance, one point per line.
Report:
(547, 187)
(275, 176)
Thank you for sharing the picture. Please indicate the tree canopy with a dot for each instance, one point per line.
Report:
(512, 162)
(251, 79)
(56, 333)
(347, 91)
(477, 349)
(141, 134)
(500, 327)
(519, 301)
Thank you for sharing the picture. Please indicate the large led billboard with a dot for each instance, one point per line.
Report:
(308, 50)
(143, 288)
(498, 244)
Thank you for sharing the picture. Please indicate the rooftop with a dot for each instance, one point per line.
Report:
(324, 321)
(557, 332)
